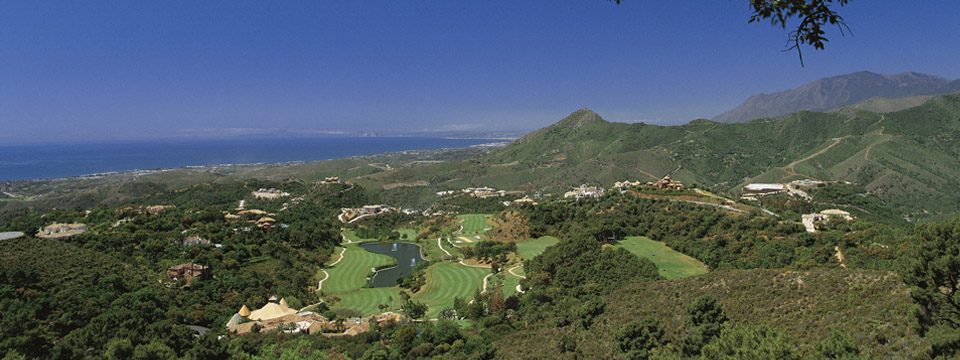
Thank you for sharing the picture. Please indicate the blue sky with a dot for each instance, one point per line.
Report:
(107, 70)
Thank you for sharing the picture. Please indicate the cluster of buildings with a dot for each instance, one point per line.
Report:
(477, 192)
(270, 194)
(584, 191)
(278, 316)
(664, 183)
(61, 231)
(794, 188)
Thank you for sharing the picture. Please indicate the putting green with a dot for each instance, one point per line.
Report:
(368, 300)
(474, 224)
(351, 272)
(672, 264)
(446, 281)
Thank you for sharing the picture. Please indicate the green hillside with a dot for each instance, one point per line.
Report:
(873, 308)
(908, 159)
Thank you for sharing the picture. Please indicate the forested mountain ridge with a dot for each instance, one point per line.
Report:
(838, 91)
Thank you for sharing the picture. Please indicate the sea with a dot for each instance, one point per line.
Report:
(23, 162)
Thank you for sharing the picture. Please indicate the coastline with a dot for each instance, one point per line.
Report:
(491, 144)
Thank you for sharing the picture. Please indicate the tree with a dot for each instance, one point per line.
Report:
(706, 315)
(415, 309)
(637, 339)
(813, 16)
(750, 342)
(934, 278)
(838, 345)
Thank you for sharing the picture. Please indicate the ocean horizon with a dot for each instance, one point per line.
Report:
(44, 161)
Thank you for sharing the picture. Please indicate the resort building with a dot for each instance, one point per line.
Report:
(667, 183)
(188, 271)
(269, 194)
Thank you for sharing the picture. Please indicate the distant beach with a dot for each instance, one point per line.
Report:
(24, 162)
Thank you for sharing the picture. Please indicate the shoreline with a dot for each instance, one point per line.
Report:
(494, 143)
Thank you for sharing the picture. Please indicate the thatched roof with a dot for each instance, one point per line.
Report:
(270, 311)
(244, 311)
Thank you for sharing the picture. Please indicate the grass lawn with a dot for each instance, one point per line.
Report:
(672, 264)
(446, 281)
(474, 224)
(351, 272)
(367, 300)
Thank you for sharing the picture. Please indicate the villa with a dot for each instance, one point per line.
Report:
(61, 231)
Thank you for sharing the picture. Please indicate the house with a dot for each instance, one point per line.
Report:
(195, 240)
(524, 201)
(61, 231)
(331, 180)
(188, 271)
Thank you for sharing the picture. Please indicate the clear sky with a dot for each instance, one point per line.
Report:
(94, 70)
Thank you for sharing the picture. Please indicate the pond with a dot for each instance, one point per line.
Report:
(407, 255)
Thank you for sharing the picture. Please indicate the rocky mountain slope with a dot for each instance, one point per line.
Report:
(838, 91)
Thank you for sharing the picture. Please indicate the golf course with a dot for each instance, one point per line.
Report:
(672, 264)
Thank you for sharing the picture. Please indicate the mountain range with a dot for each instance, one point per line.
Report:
(840, 91)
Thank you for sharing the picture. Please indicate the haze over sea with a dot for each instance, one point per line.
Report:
(22, 162)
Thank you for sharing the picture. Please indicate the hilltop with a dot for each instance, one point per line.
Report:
(837, 92)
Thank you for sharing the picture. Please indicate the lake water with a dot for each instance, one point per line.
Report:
(22, 162)
(407, 255)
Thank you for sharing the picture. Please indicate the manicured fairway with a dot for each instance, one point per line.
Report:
(352, 236)
(510, 282)
(446, 281)
(367, 300)
(531, 248)
(474, 224)
(351, 272)
(672, 264)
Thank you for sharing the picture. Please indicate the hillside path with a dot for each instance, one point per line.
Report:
(441, 247)
(790, 168)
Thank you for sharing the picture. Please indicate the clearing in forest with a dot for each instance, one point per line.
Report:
(352, 271)
(672, 264)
